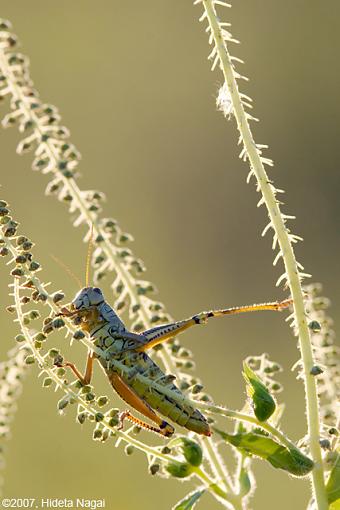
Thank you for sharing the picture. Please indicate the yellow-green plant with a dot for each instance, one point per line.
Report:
(257, 431)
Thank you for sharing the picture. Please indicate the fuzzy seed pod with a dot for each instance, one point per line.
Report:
(179, 469)
(102, 401)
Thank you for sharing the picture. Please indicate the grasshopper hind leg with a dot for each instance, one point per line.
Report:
(133, 400)
(165, 429)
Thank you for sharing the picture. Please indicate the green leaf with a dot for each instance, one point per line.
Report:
(188, 501)
(279, 456)
(333, 484)
(335, 505)
(263, 403)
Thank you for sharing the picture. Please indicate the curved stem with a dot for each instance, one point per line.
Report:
(253, 420)
(108, 247)
(213, 485)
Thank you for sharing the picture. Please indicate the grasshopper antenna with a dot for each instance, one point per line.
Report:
(88, 258)
(66, 268)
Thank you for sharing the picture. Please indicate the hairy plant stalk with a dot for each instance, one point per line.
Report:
(155, 452)
(229, 496)
(216, 463)
(207, 407)
(213, 485)
(12, 372)
(284, 239)
(59, 159)
(47, 144)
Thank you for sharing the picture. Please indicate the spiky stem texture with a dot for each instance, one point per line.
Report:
(220, 39)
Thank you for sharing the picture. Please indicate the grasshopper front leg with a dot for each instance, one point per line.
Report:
(87, 377)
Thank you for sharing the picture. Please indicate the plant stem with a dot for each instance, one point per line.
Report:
(291, 268)
(249, 419)
(216, 464)
(214, 458)
(108, 247)
(212, 486)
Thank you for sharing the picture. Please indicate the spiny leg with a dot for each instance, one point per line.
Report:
(126, 415)
(86, 378)
(131, 398)
(162, 333)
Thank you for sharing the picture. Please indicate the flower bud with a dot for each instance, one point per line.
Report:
(179, 469)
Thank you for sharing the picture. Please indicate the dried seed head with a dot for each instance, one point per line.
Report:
(34, 314)
(276, 387)
(47, 329)
(3, 211)
(113, 422)
(86, 389)
(58, 323)
(97, 434)
(26, 245)
(10, 229)
(20, 338)
(316, 370)
(21, 259)
(102, 400)
(63, 403)
(129, 449)
(325, 444)
(58, 296)
(154, 468)
(78, 334)
(58, 360)
(315, 326)
(34, 266)
(53, 353)
(5, 219)
(18, 272)
(197, 388)
(81, 417)
(47, 382)
(113, 412)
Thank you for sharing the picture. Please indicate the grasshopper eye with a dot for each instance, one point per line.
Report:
(98, 291)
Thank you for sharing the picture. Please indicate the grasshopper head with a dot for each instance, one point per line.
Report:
(87, 297)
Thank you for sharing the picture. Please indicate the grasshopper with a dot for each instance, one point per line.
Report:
(108, 332)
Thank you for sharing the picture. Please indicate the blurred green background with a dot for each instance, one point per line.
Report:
(133, 84)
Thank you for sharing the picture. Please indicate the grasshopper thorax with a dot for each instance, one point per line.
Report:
(87, 297)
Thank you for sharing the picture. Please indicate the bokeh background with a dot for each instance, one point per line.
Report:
(133, 84)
